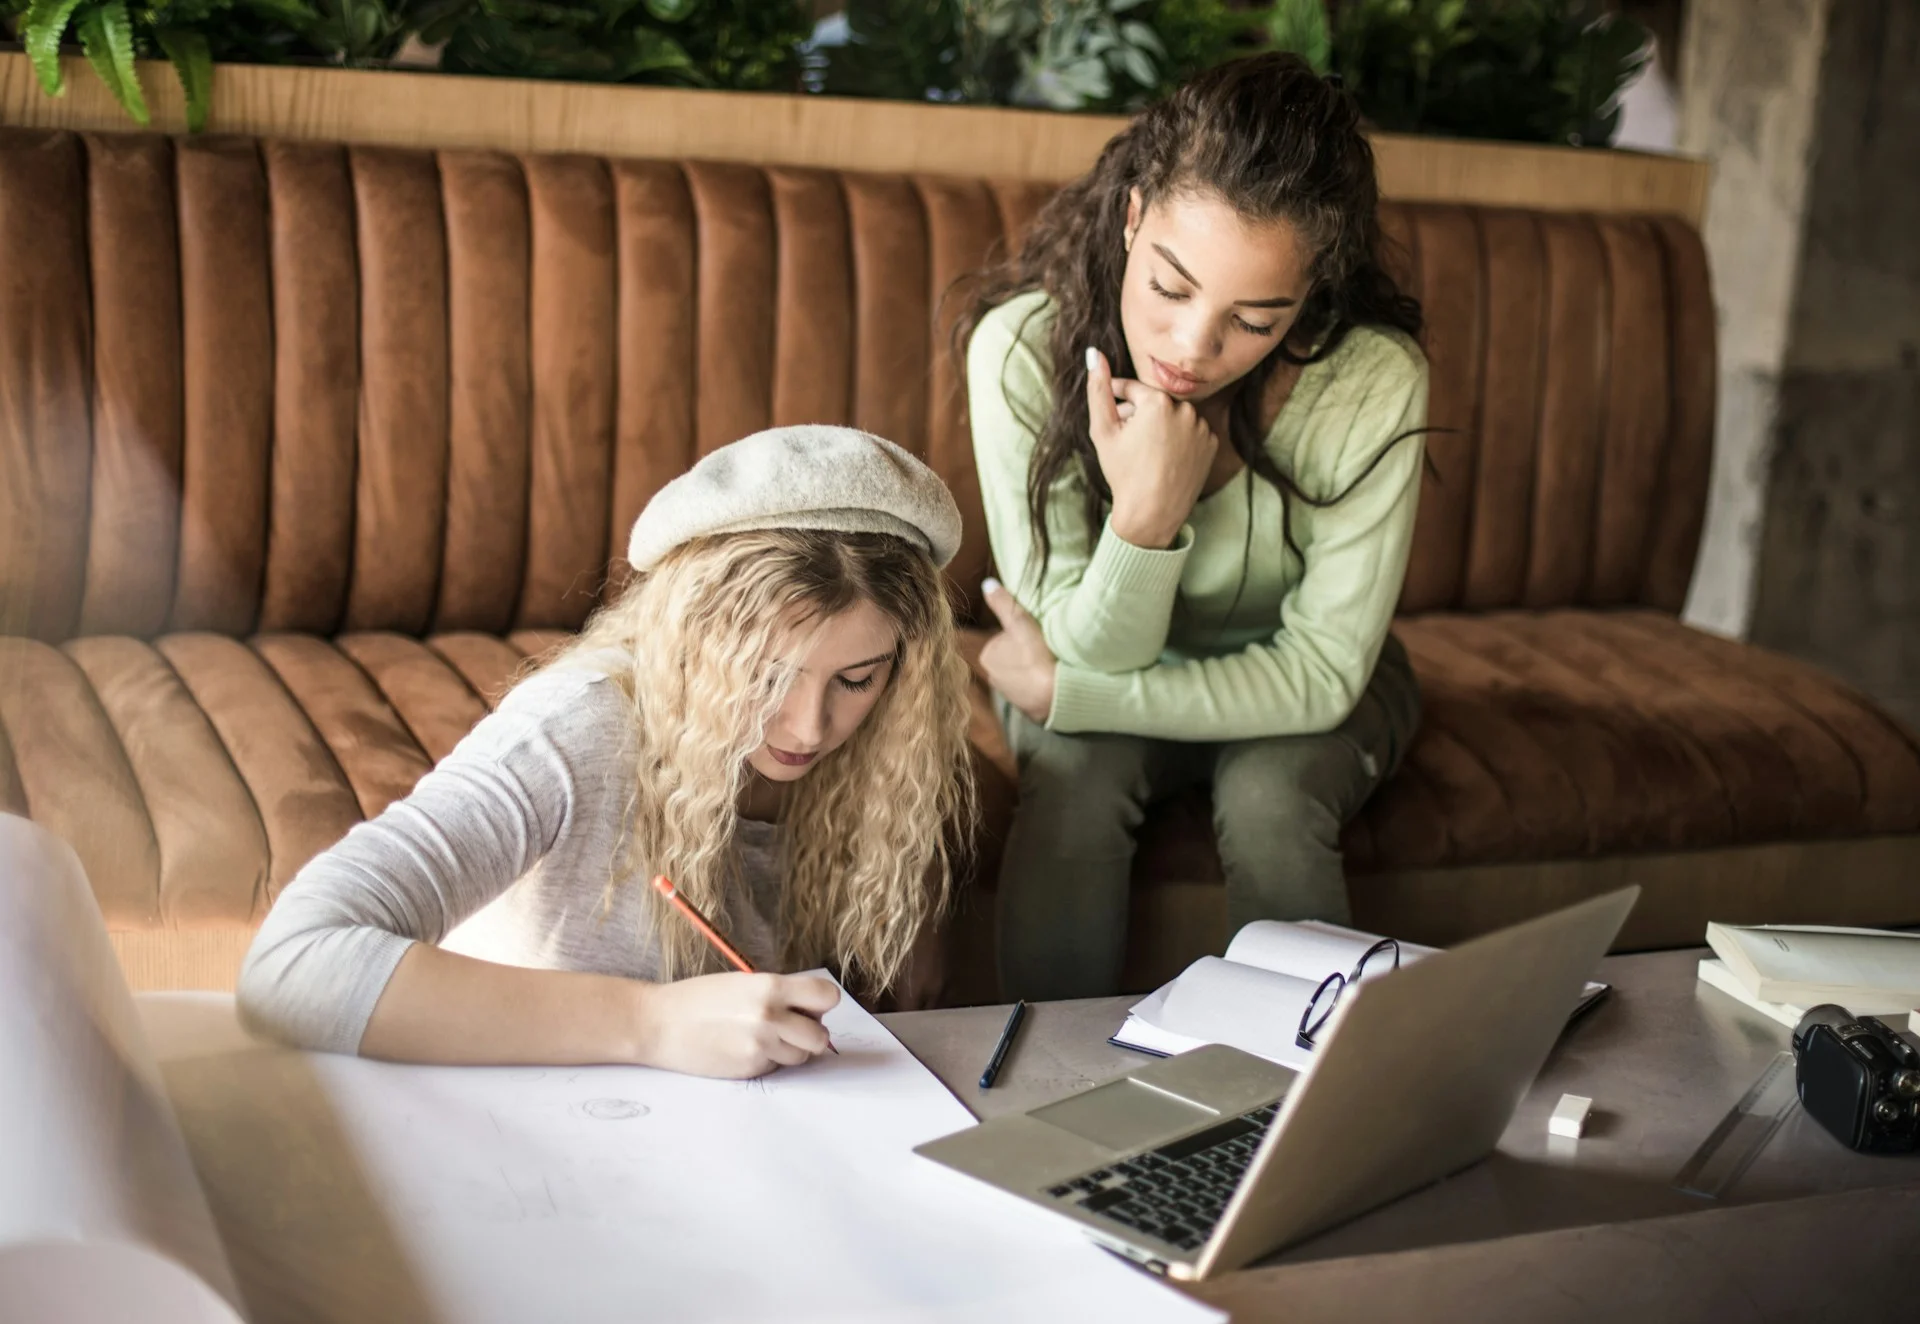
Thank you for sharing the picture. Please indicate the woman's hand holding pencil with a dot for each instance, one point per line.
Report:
(736, 1025)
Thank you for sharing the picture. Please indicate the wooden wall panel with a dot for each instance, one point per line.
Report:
(442, 110)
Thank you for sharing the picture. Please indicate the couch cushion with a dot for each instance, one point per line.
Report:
(195, 774)
(1572, 733)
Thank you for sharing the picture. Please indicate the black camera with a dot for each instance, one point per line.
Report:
(1858, 1079)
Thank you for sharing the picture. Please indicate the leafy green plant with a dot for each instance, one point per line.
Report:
(1199, 34)
(362, 32)
(1525, 70)
(112, 33)
(1301, 26)
(1052, 54)
(1072, 54)
(745, 45)
(1528, 70)
(903, 50)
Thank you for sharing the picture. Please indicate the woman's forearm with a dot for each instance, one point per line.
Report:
(453, 1010)
(440, 1007)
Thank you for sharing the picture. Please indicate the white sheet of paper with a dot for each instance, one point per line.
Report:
(100, 1211)
(341, 1189)
(352, 1190)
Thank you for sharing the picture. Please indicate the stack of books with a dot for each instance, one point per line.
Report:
(1781, 970)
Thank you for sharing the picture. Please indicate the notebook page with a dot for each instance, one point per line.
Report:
(1311, 949)
(1245, 1001)
(101, 1214)
(1144, 1036)
(1224, 1002)
(351, 1190)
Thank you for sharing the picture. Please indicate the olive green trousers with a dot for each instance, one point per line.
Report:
(1278, 806)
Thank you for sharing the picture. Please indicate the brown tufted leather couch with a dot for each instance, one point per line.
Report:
(306, 450)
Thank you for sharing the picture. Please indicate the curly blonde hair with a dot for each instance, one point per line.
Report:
(871, 829)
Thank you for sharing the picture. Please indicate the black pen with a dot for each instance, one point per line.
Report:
(1006, 1041)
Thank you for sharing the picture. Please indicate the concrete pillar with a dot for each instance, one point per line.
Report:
(1810, 110)
(1749, 94)
(1838, 580)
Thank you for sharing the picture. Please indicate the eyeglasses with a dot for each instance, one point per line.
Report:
(1314, 1018)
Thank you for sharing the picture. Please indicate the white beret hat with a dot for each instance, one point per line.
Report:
(810, 476)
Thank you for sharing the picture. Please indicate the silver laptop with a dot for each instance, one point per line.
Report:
(1207, 1161)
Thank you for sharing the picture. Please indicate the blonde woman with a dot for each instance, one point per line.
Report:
(772, 714)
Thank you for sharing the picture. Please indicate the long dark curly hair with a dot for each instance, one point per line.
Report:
(1276, 142)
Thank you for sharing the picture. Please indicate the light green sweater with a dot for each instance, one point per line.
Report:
(1141, 635)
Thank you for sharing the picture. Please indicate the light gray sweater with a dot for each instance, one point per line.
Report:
(501, 852)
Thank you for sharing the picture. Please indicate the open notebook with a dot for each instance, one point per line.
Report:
(1253, 997)
(157, 1164)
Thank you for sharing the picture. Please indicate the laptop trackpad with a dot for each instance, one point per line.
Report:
(1124, 1114)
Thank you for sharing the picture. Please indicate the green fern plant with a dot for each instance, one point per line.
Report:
(113, 33)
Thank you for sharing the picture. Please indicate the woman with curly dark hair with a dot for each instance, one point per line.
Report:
(1197, 400)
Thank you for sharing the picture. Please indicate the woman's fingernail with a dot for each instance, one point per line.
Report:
(989, 585)
(1093, 359)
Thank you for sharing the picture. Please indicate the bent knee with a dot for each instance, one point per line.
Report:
(1090, 762)
(1306, 779)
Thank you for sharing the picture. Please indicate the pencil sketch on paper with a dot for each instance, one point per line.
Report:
(613, 1110)
(845, 1038)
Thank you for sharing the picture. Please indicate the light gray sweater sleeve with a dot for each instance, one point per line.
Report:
(473, 825)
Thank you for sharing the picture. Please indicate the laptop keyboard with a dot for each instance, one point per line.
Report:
(1178, 1191)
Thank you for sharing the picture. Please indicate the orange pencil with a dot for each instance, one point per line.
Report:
(664, 886)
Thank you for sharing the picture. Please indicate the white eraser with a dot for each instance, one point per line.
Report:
(1570, 1118)
(1913, 1021)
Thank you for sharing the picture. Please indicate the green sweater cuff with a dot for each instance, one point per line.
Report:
(1085, 700)
(1119, 568)
(1119, 613)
